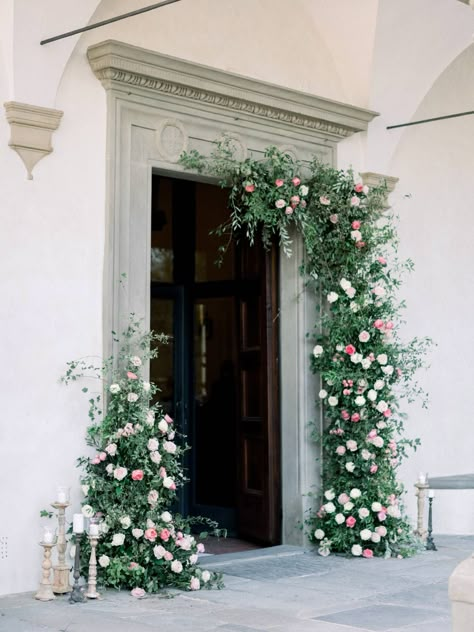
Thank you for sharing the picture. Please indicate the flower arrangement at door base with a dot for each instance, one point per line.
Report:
(363, 366)
(130, 482)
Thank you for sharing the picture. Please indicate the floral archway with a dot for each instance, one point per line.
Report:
(364, 367)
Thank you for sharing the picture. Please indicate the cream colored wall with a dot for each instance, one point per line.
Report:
(53, 226)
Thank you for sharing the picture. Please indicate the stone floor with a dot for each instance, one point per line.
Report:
(282, 589)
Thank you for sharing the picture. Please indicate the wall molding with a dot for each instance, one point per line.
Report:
(373, 179)
(32, 128)
(122, 66)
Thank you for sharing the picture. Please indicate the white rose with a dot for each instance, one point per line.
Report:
(323, 394)
(351, 292)
(163, 426)
(379, 384)
(382, 358)
(375, 538)
(332, 401)
(104, 527)
(365, 189)
(114, 389)
(169, 447)
(136, 361)
(125, 521)
(168, 482)
(146, 386)
(356, 550)
(329, 507)
(365, 363)
(354, 307)
(365, 534)
(104, 561)
(364, 512)
(378, 442)
(345, 284)
(359, 400)
(365, 454)
(87, 511)
(351, 445)
(150, 418)
(329, 494)
(109, 468)
(280, 203)
(393, 511)
(338, 348)
(376, 507)
(382, 531)
(350, 467)
(132, 397)
(171, 435)
(379, 290)
(205, 576)
(356, 235)
(332, 297)
(152, 444)
(150, 524)
(155, 457)
(355, 493)
(152, 500)
(120, 473)
(348, 506)
(319, 534)
(388, 370)
(339, 518)
(356, 358)
(193, 559)
(137, 533)
(166, 516)
(159, 551)
(85, 489)
(372, 395)
(176, 566)
(381, 424)
(118, 539)
(111, 449)
(317, 351)
(303, 190)
(382, 406)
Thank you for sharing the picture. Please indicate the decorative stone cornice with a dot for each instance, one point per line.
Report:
(373, 179)
(31, 131)
(131, 69)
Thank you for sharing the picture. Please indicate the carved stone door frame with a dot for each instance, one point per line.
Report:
(158, 106)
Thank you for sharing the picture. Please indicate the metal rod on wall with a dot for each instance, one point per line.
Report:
(430, 120)
(151, 7)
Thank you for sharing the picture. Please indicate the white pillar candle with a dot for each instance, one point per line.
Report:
(48, 535)
(62, 495)
(431, 493)
(422, 478)
(78, 523)
(93, 529)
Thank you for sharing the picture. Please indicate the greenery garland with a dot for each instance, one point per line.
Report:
(365, 369)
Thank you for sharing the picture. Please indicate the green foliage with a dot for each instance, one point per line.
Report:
(364, 367)
(130, 484)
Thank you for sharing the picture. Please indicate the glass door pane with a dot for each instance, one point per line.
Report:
(162, 371)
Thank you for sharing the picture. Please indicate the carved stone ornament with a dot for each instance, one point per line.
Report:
(136, 71)
(171, 139)
(31, 130)
(372, 179)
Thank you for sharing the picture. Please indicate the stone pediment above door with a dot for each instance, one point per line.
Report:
(199, 103)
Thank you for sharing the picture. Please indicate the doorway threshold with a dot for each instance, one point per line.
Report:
(223, 546)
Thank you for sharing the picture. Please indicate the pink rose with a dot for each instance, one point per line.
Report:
(168, 556)
(345, 415)
(95, 460)
(350, 349)
(165, 535)
(389, 325)
(103, 456)
(367, 553)
(168, 419)
(138, 593)
(151, 534)
(382, 531)
(340, 450)
(350, 522)
(360, 244)
(382, 261)
(355, 201)
(343, 499)
(381, 516)
(296, 181)
(359, 187)
(347, 391)
(162, 472)
(288, 210)
(131, 376)
(355, 417)
(194, 584)
(132, 566)
(356, 224)
(364, 336)
(280, 203)
(279, 183)
(250, 188)
(334, 218)
(378, 324)
(372, 433)
(387, 413)
(200, 548)
(373, 468)
(295, 199)
(137, 475)
(325, 201)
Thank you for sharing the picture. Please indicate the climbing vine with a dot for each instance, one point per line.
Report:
(364, 368)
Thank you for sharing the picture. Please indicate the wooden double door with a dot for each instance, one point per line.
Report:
(219, 373)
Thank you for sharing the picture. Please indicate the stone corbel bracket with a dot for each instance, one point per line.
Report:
(31, 130)
(373, 180)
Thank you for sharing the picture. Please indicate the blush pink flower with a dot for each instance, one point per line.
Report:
(279, 183)
(387, 413)
(296, 181)
(168, 556)
(103, 456)
(360, 244)
(345, 415)
(325, 201)
(356, 224)
(168, 419)
(288, 210)
(343, 499)
(350, 349)
(95, 460)
(350, 522)
(131, 376)
(340, 450)
(367, 553)
(382, 261)
(250, 188)
(334, 218)
(137, 475)
(359, 187)
(355, 201)
(165, 535)
(389, 324)
(162, 472)
(132, 566)
(200, 547)
(381, 516)
(138, 593)
(379, 324)
(373, 468)
(372, 433)
(295, 199)
(151, 535)
(355, 417)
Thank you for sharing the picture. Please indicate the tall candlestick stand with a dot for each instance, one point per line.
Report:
(430, 545)
(77, 595)
(45, 591)
(420, 493)
(61, 569)
(92, 579)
